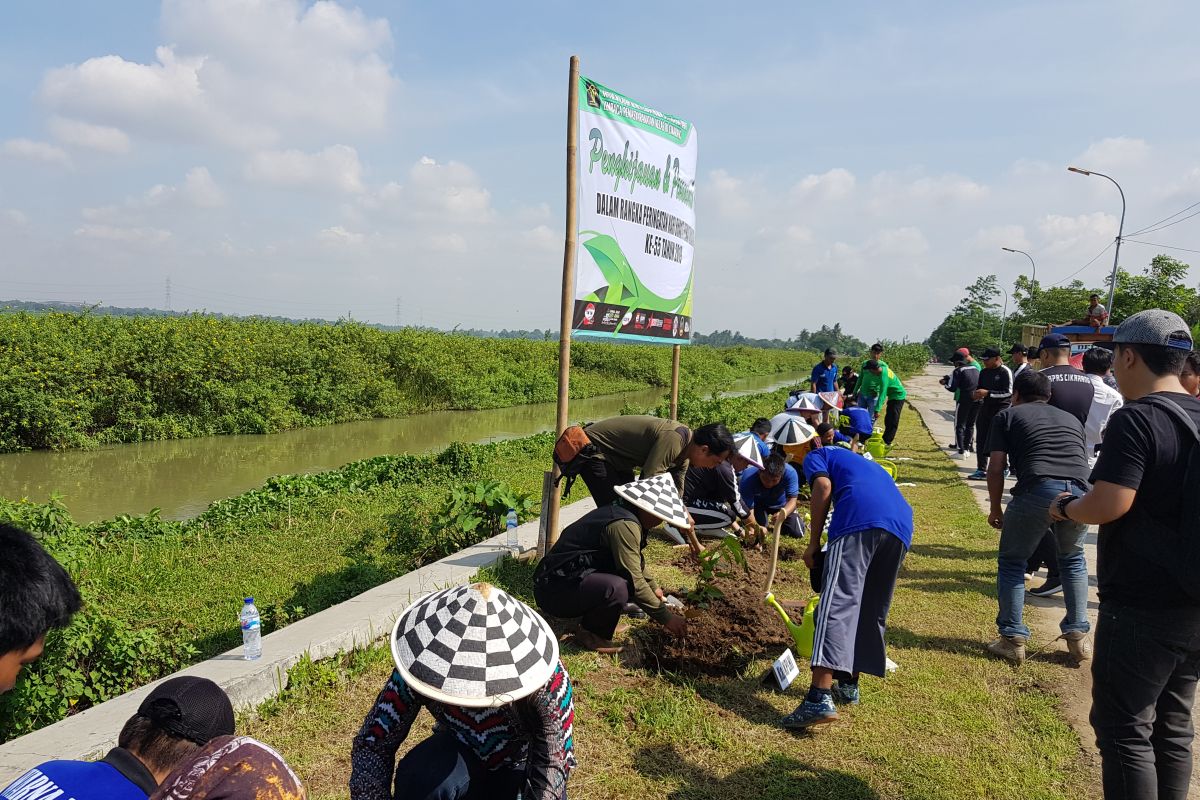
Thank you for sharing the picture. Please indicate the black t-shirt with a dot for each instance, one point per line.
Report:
(999, 383)
(1145, 449)
(1071, 390)
(1041, 442)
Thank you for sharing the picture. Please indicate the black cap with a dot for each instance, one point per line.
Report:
(991, 352)
(872, 364)
(1054, 340)
(193, 708)
(831, 352)
(1018, 348)
(957, 358)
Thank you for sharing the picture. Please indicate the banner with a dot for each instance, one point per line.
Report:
(637, 196)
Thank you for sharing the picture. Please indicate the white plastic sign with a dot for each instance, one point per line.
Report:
(785, 669)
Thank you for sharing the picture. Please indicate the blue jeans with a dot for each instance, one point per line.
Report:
(441, 768)
(1025, 523)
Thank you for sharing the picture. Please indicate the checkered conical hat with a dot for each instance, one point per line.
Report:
(747, 448)
(473, 646)
(657, 496)
(793, 431)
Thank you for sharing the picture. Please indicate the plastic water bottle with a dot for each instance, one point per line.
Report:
(251, 631)
(510, 525)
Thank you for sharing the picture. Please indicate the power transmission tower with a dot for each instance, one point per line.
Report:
(168, 293)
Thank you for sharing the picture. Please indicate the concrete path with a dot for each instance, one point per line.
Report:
(936, 407)
(353, 624)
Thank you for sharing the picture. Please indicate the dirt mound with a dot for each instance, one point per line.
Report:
(732, 631)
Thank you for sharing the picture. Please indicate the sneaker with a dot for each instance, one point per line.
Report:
(1009, 647)
(1052, 586)
(1079, 645)
(845, 694)
(633, 611)
(1006, 474)
(810, 713)
(977, 475)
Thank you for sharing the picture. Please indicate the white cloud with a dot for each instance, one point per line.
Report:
(543, 239)
(447, 243)
(335, 168)
(14, 217)
(30, 150)
(996, 236)
(728, 193)
(103, 138)
(241, 73)
(113, 233)
(201, 190)
(835, 184)
(339, 236)
(1114, 152)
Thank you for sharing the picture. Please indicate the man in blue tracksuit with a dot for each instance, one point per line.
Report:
(869, 535)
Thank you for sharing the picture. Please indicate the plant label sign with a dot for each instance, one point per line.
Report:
(785, 669)
(637, 217)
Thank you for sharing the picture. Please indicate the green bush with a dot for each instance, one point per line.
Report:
(77, 380)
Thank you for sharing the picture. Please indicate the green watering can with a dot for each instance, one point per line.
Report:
(875, 445)
(802, 634)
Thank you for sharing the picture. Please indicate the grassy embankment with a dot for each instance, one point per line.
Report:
(76, 380)
(950, 723)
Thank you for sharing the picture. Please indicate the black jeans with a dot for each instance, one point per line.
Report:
(965, 414)
(891, 420)
(600, 478)
(597, 599)
(1144, 674)
(983, 426)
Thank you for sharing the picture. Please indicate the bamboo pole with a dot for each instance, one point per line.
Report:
(568, 286)
(675, 382)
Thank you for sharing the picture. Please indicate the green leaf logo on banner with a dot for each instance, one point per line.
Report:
(622, 284)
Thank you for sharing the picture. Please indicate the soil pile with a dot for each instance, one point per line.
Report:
(732, 631)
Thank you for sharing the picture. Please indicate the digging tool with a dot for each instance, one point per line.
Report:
(775, 529)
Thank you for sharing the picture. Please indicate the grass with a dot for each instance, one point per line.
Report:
(950, 723)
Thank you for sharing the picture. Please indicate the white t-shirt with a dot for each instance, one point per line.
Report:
(1105, 400)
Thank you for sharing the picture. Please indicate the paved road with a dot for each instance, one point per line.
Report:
(936, 407)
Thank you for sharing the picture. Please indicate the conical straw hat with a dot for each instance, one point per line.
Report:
(657, 496)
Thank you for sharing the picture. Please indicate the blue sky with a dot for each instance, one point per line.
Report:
(857, 164)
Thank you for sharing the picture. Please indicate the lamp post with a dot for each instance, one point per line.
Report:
(1032, 265)
(1112, 285)
(1004, 314)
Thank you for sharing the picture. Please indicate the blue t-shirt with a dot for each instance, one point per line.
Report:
(755, 495)
(81, 780)
(838, 436)
(860, 420)
(825, 377)
(864, 495)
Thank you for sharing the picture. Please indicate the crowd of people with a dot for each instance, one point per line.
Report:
(1114, 444)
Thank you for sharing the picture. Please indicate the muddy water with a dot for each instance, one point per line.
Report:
(182, 477)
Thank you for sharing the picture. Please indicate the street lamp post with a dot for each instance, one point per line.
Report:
(1032, 265)
(1112, 285)
(1004, 315)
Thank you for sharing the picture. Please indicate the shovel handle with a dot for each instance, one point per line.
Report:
(775, 530)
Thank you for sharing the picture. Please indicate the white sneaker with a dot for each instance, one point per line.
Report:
(1079, 645)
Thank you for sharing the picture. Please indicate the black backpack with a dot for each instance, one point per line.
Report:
(1179, 551)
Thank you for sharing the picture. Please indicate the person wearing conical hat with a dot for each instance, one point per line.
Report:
(711, 493)
(773, 490)
(486, 667)
(597, 566)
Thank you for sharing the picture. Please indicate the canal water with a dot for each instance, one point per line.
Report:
(183, 477)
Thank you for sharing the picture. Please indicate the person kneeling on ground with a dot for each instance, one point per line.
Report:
(36, 596)
(232, 768)
(1045, 446)
(597, 566)
(487, 668)
(869, 534)
(711, 493)
(858, 426)
(175, 720)
(830, 436)
(772, 492)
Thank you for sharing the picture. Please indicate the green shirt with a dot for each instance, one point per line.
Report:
(869, 383)
(650, 444)
(884, 386)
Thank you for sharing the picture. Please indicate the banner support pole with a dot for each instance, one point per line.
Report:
(567, 309)
(675, 382)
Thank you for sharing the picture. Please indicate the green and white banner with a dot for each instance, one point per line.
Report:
(637, 217)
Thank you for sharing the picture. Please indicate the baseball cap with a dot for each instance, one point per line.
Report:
(193, 708)
(1155, 327)
(962, 351)
(957, 358)
(991, 352)
(1018, 348)
(831, 352)
(1054, 340)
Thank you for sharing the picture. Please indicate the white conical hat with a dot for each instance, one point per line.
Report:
(473, 646)
(658, 496)
(747, 447)
(805, 402)
(793, 431)
(831, 399)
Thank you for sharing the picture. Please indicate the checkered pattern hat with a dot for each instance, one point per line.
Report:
(808, 401)
(473, 646)
(659, 496)
(793, 430)
(747, 448)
